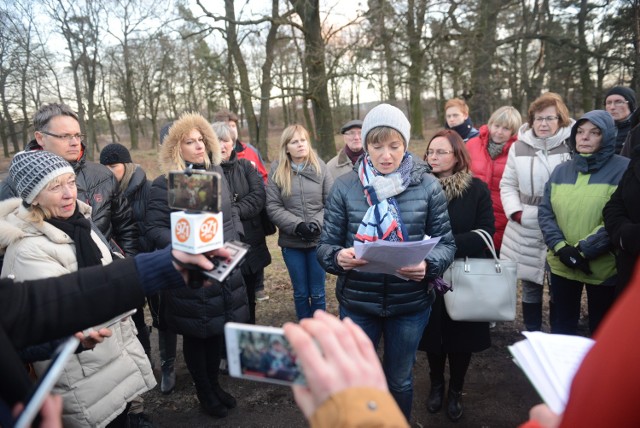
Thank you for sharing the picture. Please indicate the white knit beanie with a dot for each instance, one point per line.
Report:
(389, 116)
(31, 171)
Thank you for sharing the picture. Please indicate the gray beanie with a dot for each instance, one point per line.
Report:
(389, 116)
(31, 171)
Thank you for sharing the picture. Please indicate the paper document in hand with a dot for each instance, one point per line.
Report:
(550, 361)
(387, 257)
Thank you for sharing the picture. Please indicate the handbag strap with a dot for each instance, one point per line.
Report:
(488, 240)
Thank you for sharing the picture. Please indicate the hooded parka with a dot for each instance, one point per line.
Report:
(571, 209)
(200, 312)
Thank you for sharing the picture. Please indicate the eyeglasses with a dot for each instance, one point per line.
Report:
(353, 133)
(546, 119)
(616, 103)
(439, 152)
(67, 137)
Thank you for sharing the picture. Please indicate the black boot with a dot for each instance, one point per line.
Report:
(227, 399)
(454, 405)
(167, 342)
(436, 396)
(532, 316)
(210, 403)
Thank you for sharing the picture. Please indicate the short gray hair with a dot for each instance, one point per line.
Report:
(49, 111)
(223, 131)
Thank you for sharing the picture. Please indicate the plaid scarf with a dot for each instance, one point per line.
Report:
(382, 219)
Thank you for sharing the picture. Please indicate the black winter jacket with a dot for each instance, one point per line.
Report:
(423, 208)
(248, 199)
(471, 209)
(622, 221)
(137, 194)
(98, 188)
(198, 312)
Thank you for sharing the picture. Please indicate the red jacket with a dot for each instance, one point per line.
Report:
(490, 171)
(244, 151)
(604, 391)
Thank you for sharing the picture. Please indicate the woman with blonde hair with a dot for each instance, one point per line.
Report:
(541, 146)
(47, 232)
(198, 314)
(489, 152)
(296, 193)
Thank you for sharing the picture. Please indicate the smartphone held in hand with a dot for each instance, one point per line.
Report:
(261, 353)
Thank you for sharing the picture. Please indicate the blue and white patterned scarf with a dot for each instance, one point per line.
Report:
(382, 219)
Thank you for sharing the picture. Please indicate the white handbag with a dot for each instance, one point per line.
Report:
(482, 289)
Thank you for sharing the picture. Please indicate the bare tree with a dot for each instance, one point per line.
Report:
(309, 13)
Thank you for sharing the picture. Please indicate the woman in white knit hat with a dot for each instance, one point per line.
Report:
(390, 196)
(47, 232)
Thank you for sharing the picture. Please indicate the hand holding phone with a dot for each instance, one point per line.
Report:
(335, 355)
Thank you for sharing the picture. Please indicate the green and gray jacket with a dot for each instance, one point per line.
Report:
(574, 196)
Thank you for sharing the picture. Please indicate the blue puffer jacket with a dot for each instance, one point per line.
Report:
(574, 196)
(423, 208)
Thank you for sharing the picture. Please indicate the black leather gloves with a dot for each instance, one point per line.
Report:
(308, 231)
(571, 257)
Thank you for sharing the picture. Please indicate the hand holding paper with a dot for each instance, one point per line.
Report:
(391, 257)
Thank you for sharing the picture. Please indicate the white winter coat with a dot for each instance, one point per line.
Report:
(529, 165)
(96, 384)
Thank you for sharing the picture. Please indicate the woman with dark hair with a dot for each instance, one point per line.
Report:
(199, 314)
(297, 190)
(541, 146)
(570, 215)
(470, 207)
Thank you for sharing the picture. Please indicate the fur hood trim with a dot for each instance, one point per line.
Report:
(455, 185)
(170, 158)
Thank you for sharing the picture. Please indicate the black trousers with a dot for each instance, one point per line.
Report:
(567, 295)
(458, 365)
(251, 282)
(202, 357)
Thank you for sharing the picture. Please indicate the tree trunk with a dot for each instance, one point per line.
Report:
(243, 73)
(586, 85)
(314, 61)
(482, 99)
(415, 25)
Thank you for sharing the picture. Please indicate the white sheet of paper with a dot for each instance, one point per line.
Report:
(387, 257)
(550, 361)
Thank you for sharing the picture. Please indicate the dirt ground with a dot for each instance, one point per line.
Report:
(496, 393)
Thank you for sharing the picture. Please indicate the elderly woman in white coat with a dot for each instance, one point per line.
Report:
(47, 232)
(541, 146)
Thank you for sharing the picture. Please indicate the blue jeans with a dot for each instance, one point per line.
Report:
(402, 334)
(307, 278)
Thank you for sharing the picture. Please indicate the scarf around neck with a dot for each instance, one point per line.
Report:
(79, 229)
(382, 220)
(353, 156)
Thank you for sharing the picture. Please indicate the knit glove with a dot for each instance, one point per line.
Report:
(571, 257)
(303, 231)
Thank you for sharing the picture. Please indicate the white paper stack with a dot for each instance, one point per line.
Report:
(550, 361)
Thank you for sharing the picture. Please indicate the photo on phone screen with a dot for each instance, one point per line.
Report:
(261, 353)
(197, 191)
